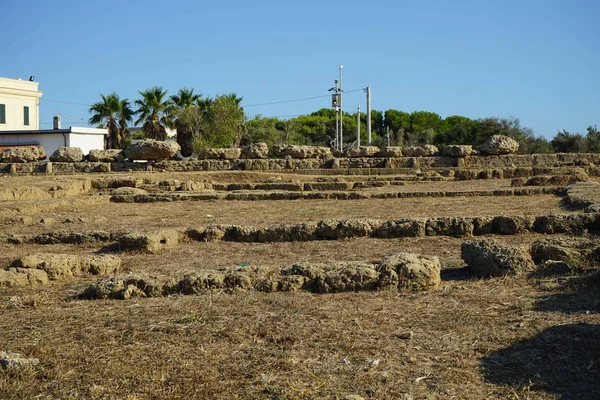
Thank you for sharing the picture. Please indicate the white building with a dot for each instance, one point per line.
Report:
(51, 139)
(19, 104)
(20, 122)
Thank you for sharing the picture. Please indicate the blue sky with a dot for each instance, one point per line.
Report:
(535, 60)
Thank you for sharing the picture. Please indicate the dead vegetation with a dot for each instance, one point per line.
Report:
(533, 335)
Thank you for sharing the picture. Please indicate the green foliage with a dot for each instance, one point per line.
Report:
(565, 142)
(114, 114)
(593, 139)
(155, 112)
(217, 122)
(272, 131)
(457, 130)
(220, 122)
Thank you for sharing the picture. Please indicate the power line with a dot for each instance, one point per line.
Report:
(295, 100)
(66, 102)
(246, 105)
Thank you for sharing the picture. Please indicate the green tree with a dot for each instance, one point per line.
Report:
(566, 142)
(114, 114)
(185, 98)
(262, 129)
(593, 139)
(219, 122)
(396, 120)
(155, 112)
(182, 101)
(421, 121)
(377, 125)
(457, 130)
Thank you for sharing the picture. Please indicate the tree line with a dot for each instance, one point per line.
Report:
(221, 122)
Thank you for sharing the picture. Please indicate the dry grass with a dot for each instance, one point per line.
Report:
(514, 338)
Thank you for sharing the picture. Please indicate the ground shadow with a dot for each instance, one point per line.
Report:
(563, 360)
(111, 248)
(456, 274)
(579, 294)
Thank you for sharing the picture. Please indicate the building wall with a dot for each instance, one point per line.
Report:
(86, 141)
(85, 138)
(15, 94)
(50, 142)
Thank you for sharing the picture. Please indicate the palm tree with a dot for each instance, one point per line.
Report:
(185, 98)
(155, 112)
(183, 101)
(114, 114)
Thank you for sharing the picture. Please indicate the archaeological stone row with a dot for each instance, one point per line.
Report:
(334, 229)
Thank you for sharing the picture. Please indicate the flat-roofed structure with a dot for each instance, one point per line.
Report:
(19, 104)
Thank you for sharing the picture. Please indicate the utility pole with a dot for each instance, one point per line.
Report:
(335, 100)
(368, 90)
(388, 136)
(358, 126)
(341, 113)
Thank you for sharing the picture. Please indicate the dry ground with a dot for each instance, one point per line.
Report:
(513, 338)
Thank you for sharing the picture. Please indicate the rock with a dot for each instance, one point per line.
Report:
(23, 154)
(401, 228)
(499, 144)
(553, 267)
(362, 151)
(152, 150)
(111, 155)
(149, 242)
(421, 151)
(458, 150)
(538, 180)
(222, 154)
(127, 191)
(344, 229)
(126, 286)
(517, 182)
(348, 277)
(575, 251)
(584, 195)
(414, 272)
(391, 151)
(12, 278)
(255, 150)
(483, 225)
(511, 225)
(198, 282)
(353, 397)
(61, 265)
(15, 361)
(449, 226)
(67, 154)
(301, 151)
(564, 223)
(488, 258)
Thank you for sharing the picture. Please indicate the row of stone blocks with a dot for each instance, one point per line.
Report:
(337, 166)
(329, 230)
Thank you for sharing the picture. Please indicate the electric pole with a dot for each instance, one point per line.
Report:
(358, 126)
(341, 112)
(368, 90)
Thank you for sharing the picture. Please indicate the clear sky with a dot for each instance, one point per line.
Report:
(537, 60)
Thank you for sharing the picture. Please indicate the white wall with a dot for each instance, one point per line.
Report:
(86, 141)
(85, 138)
(15, 94)
(50, 142)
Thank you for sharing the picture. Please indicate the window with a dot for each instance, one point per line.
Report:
(2, 113)
(25, 115)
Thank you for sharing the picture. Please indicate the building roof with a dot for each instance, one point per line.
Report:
(72, 129)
